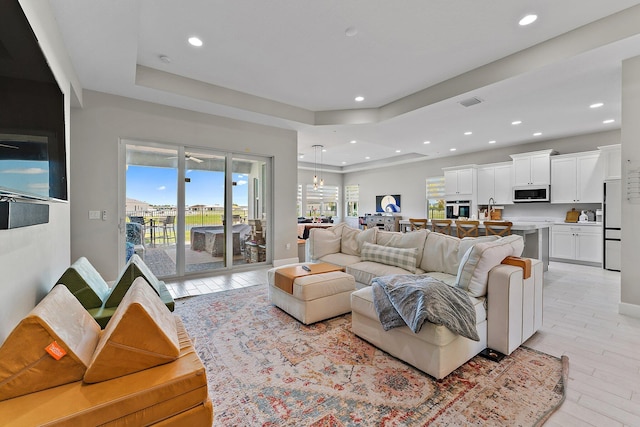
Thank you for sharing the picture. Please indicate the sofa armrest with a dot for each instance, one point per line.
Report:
(514, 306)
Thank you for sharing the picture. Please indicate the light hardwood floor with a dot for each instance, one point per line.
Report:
(581, 321)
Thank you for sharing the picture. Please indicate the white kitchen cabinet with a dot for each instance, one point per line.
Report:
(459, 183)
(494, 181)
(572, 242)
(532, 168)
(576, 178)
(611, 158)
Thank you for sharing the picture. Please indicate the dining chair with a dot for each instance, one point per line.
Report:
(441, 226)
(467, 228)
(418, 223)
(497, 228)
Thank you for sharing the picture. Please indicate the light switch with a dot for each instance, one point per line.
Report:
(94, 214)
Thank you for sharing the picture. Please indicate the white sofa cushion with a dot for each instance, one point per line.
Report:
(399, 257)
(365, 271)
(324, 241)
(352, 239)
(413, 239)
(339, 259)
(440, 253)
(480, 258)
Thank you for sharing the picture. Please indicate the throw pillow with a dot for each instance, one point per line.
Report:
(353, 239)
(405, 258)
(51, 346)
(473, 273)
(414, 239)
(323, 242)
(141, 334)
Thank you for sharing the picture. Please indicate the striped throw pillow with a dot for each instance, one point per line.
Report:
(399, 257)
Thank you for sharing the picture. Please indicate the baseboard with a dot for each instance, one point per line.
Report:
(631, 310)
(279, 262)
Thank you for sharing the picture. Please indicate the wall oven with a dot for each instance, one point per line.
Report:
(458, 208)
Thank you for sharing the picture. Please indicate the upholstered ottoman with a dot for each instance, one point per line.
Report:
(314, 297)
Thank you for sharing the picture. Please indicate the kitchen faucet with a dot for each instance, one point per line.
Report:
(492, 202)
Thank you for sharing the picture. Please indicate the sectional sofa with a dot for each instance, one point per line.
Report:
(508, 306)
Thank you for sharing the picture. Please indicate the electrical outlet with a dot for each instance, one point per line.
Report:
(94, 214)
(287, 246)
(104, 215)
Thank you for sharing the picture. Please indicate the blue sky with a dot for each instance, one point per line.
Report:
(158, 186)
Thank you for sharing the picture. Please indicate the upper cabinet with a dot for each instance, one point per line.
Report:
(459, 183)
(532, 168)
(576, 178)
(494, 181)
(611, 159)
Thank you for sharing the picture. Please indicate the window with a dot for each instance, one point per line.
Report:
(322, 201)
(351, 196)
(299, 202)
(435, 198)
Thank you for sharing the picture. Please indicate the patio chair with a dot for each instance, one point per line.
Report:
(167, 225)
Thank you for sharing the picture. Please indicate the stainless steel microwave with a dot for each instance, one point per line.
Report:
(531, 193)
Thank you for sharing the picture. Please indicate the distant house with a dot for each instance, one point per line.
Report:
(137, 206)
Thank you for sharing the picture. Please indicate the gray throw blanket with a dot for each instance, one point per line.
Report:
(408, 299)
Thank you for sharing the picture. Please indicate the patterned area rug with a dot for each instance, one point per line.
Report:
(266, 369)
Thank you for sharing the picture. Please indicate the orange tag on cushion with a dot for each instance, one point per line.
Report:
(55, 351)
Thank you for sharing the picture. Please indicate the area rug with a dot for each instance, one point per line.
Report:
(264, 368)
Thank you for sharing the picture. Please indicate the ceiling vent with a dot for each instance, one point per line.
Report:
(470, 101)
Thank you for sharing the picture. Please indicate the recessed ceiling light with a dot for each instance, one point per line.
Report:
(529, 19)
(195, 41)
(301, 156)
(398, 151)
(367, 158)
(427, 142)
(596, 105)
(537, 134)
(516, 122)
(344, 163)
(359, 98)
(324, 150)
(351, 31)
(606, 122)
(468, 133)
(165, 59)
(492, 142)
(452, 149)
(353, 141)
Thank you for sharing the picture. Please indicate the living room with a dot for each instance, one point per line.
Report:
(33, 257)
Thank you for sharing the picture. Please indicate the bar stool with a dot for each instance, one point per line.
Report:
(418, 223)
(497, 228)
(441, 226)
(467, 228)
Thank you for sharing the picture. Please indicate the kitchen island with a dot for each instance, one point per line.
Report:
(534, 233)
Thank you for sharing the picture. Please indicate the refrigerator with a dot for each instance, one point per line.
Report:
(612, 224)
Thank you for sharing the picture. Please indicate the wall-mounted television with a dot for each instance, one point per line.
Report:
(388, 203)
(32, 121)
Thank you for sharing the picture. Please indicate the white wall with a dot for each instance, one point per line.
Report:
(33, 258)
(408, 180)
(105, 119)
(630, 276)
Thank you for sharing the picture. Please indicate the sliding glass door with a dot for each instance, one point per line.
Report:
(178, 200)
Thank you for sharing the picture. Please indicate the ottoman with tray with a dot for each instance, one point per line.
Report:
(311, 296)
